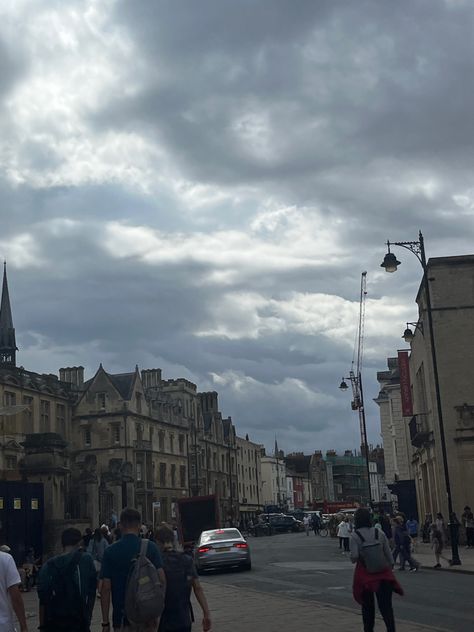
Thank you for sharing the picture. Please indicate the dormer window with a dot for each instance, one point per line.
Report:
(101, 400)
(138, 401)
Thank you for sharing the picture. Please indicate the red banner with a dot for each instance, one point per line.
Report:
(405, 386)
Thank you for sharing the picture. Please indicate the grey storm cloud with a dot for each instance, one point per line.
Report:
(198, 186)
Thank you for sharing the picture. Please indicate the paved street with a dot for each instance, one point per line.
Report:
(312, 569)
(298, 580)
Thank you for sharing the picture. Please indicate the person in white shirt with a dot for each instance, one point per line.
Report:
(307, 523)
(11, 600)
(343, 533)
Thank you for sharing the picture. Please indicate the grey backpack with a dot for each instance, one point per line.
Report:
(144, 596)
(372, 553)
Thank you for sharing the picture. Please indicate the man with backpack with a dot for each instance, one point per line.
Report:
(66, 587)
(133, 577)
(181, 576)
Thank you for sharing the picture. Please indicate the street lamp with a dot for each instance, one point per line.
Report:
(358, 404)
(390, 264)
(408, 334)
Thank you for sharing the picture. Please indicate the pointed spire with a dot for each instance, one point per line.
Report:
(8, 346)
(277, 453)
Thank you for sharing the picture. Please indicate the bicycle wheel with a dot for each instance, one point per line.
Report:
(323, 532)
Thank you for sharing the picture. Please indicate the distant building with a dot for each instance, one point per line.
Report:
(249, 471)
(274, 489)
(349, 473)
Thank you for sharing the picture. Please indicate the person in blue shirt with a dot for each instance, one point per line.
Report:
(412, 528)
(116, 566)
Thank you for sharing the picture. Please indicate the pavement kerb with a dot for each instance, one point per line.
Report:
(448, 569)
(323, 604)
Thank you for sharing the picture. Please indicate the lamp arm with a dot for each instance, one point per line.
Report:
(412, 246)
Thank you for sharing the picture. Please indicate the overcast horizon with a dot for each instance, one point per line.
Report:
(197, 187)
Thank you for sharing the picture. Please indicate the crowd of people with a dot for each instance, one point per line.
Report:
(142, 578)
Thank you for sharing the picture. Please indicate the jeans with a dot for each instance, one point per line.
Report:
(384, 600)
(405, 556)
(346, 544)
(469, 536)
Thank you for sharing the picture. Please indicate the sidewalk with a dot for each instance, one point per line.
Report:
(425, 556)
(242, 610)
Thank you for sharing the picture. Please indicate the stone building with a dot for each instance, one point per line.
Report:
(274, 490)
(350, 477)
(398, 450)
(96, 446)
(249, 470)
(452, 298)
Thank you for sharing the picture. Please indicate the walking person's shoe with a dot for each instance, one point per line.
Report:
(437, 566)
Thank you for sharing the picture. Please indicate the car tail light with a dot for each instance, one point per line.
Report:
(241, 545)
(204, 549)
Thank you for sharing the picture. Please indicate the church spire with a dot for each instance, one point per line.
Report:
(8, 347)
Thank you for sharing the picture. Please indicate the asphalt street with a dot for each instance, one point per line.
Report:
(312, 568)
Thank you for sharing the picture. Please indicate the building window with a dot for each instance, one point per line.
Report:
(173, 475)
(101, 400)
(61, 419)
(224, 489)
(151, 434)
(10, 462)
(115, 433)
(138, 402)
(87, 437)
(44, 415)
(9, 399)
(161, 441)
(139, 472)
(181, 443)
(28, 415)
(223, 462)
(214, 460)
(172, 444)
(182, 476)
(163, 474)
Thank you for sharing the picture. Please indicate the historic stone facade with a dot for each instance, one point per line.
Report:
(249, 469)
(398, 451)
(452, 297)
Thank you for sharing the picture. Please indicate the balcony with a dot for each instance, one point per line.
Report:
(141, 444)
(419, 434)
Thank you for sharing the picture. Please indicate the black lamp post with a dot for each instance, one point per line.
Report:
(390, 264)
(358, 404)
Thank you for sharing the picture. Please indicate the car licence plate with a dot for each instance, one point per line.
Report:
(223, 549)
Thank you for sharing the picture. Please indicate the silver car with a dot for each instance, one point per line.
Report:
(222, 547)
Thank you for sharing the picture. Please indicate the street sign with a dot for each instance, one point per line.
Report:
(156, 504)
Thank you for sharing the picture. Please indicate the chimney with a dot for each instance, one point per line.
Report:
(151, 377)
(74, 375)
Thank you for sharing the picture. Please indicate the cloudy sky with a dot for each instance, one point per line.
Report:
(198, 186)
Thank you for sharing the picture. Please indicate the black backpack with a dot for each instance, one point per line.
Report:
(178, 611)
(64, 606)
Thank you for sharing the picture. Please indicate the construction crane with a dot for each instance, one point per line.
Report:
(355, 378)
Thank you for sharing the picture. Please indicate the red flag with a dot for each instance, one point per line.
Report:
(405, 387)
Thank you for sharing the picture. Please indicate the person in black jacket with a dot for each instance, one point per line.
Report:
(181, 577)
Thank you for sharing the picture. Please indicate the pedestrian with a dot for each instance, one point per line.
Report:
(316, 523)
(11, 600)
(306, 523)
(412, 528)
(87, 537)
(386, 525)
(437, 544)
(468, 522)
(96, 549)
(373, 575)
(398, 535)
(106, 533)
(116, 565)
(343, 533)
(66, 587)
(181, 577)
(426, 530)
(404, 544)
(441, 526)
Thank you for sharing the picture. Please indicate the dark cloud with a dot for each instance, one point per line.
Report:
(197, 186)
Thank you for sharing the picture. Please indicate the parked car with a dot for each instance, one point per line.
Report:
(222, 548)
(284, 523)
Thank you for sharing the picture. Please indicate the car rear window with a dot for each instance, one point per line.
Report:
(215, 536)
